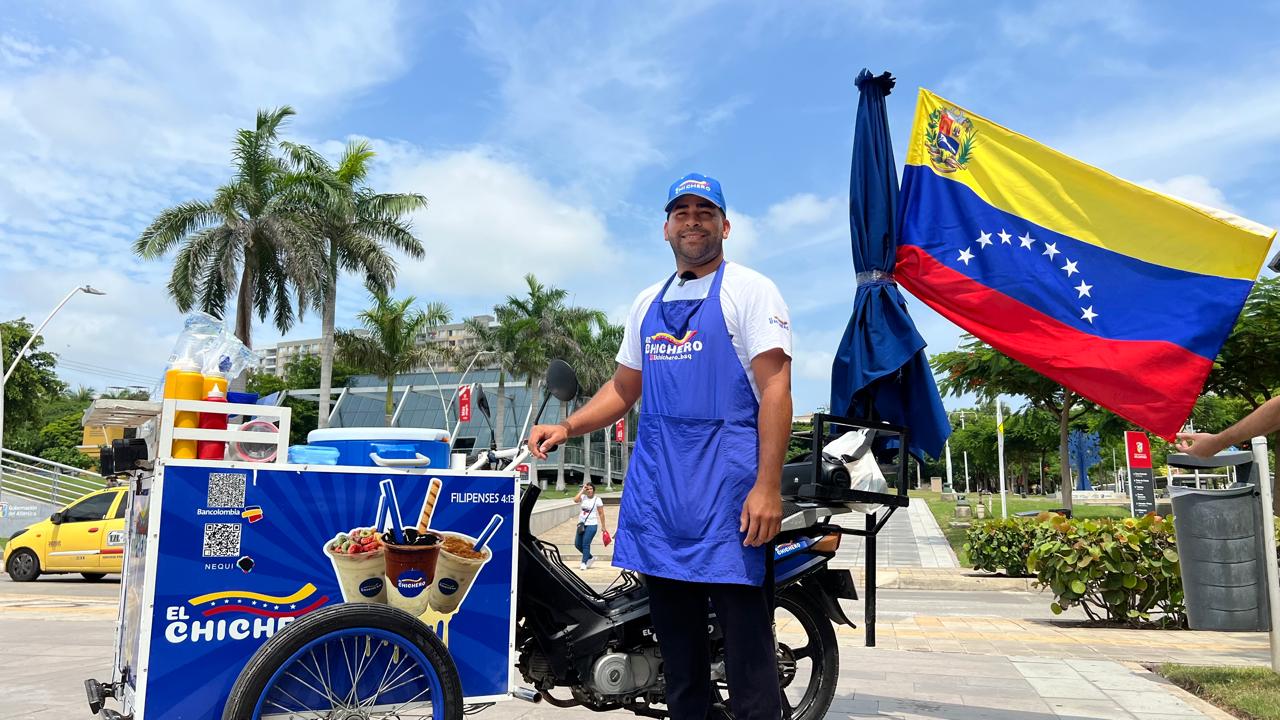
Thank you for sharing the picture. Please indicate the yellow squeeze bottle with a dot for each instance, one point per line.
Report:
(184, 382)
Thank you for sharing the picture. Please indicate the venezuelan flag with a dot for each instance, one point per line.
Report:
(1117, 292)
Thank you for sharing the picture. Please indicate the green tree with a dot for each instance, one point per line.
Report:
(34, 382)
(529, 331)
(594, 345)
(254, 228)
(391, 346)
(357, 227)
(981, 369)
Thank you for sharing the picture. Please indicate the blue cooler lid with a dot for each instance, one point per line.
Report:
(377, 434)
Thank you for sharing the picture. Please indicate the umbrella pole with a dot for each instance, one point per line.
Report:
(869, 607)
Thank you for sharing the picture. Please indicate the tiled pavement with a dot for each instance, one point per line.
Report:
(910, 539)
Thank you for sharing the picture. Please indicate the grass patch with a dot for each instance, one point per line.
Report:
(1250, 692)
(944, 511)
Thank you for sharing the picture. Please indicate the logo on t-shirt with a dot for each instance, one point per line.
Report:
(775, 320)
(665, 346)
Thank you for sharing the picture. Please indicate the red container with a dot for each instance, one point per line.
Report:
(211, 449)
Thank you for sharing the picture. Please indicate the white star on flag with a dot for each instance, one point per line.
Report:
(984, 239)
(1089, 314)
(1050, 249)
(1026, 240)
(1070, 267)
(1083, 289)
(1004, 236)
(965, 256)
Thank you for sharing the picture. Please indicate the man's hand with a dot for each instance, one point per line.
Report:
(761, 516)
(544, 438)
(1202, 445)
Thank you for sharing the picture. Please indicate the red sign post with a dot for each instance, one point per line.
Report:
(1142, 486)
(464, 403)
(620, 430)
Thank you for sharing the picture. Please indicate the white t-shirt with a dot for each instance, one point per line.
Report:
(754, 312)
(588, 514)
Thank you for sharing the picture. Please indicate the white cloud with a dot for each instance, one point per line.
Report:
(128, 107)
(490, 222)
(1068, 24)
(1195, 188)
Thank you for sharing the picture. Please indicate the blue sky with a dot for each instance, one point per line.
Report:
(545, 135)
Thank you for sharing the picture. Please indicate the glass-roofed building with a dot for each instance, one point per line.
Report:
(420, 399)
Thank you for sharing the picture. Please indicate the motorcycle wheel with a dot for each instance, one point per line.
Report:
(808, 659)
(349, 661)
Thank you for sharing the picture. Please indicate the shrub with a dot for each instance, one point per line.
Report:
(1120, 570)
(1003, 545)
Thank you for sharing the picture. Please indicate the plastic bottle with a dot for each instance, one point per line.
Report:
(184, 381)
(213, 449)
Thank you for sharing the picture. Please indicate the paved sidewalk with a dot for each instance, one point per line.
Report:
(934, 667)
(910, 539)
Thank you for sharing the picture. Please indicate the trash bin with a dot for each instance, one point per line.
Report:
(1220, 549)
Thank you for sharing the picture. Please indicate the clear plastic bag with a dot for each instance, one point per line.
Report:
(853, 450)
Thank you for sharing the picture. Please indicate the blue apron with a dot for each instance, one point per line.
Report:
(696, 452)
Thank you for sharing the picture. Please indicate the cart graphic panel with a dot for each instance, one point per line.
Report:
(243, 552)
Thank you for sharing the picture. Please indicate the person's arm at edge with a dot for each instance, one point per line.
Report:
(1263, 421)
(610, 403)
(762, 512)
(600, 512)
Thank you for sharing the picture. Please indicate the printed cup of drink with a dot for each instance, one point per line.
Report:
(359, 561)
(456, 570)
(411, 568)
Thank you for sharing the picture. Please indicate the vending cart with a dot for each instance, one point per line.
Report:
(269, 589)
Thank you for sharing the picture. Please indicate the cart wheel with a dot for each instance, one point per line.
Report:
(349, 662)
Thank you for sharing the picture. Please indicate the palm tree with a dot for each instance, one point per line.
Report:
(391, 345)
(532, 329)
(595, 343)
(251, 228)
(357, 227)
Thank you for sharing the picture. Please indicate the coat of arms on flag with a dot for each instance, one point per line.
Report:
(950, 137)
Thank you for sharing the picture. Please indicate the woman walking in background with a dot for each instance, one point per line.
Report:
(590, 519)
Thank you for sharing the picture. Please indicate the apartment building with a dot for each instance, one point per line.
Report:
(454, 336)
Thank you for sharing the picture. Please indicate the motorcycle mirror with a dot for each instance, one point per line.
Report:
(562, 381)
(482, 402)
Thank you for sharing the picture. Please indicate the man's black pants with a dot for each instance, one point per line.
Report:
(679, 612)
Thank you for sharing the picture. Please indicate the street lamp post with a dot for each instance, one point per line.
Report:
(22, 353)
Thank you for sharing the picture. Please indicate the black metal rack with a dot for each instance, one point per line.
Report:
(886, 454)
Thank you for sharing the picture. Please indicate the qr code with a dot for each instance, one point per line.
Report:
(226, 490)
(221, 540)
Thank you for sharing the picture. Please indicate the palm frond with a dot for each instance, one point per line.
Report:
(173, 225)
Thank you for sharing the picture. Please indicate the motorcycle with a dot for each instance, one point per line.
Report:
(600, 645)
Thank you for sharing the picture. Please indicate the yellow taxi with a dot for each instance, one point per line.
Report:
(86, 537)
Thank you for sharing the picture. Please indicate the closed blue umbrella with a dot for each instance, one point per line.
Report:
(880, 371)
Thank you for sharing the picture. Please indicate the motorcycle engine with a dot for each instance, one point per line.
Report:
(625, 674)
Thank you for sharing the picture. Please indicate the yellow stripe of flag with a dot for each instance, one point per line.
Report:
(1016, 174)
(302, 592)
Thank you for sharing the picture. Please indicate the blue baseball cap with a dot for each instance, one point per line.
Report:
(696, 184)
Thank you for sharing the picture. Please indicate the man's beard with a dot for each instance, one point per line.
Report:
(710, 249)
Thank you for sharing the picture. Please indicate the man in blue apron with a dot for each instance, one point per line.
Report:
(707, 354)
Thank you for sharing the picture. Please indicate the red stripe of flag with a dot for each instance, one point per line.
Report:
(1153, 384)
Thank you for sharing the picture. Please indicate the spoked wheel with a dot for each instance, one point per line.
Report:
(349, 662)
(808, 659)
